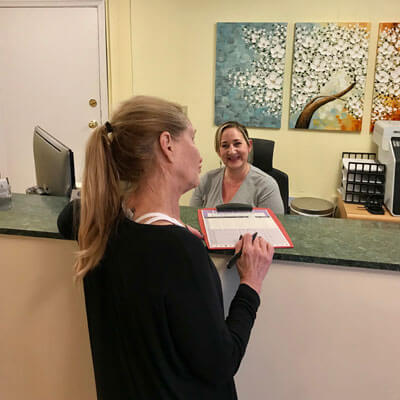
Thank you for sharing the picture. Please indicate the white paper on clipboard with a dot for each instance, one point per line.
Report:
(222, 229)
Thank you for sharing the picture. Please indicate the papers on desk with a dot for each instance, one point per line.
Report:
(221, 230)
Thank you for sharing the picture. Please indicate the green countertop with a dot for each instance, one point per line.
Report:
(316, 240)
(335, 241)
(32, 215)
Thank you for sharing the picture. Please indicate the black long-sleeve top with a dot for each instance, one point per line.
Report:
(156, 321)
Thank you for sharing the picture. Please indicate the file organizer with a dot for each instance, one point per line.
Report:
(363, 180)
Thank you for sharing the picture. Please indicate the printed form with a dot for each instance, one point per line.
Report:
(223, 228)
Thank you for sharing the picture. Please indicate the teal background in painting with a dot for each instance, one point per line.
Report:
(233, 55)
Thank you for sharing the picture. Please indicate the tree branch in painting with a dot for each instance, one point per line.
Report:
(303, 122)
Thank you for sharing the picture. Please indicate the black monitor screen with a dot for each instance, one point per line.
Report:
(54, 164)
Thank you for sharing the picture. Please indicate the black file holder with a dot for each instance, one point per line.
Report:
(364, 182)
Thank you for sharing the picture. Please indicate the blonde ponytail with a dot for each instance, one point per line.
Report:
(100, 202)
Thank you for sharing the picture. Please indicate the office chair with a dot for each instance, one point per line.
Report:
(261, 157)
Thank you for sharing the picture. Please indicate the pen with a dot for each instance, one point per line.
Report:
(238, 254)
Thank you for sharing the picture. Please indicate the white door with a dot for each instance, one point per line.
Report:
(52, 62)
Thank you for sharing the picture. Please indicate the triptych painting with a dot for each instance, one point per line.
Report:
(329, 70)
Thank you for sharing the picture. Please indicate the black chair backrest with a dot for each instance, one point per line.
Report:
(262, 157)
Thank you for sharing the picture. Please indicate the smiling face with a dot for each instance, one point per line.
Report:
(233, 149)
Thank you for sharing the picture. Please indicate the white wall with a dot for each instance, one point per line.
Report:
(322, 332)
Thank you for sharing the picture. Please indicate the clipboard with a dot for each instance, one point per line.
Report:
(221, 229)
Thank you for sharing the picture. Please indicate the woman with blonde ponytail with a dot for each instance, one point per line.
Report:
(153, 296)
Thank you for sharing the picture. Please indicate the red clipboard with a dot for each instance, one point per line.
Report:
(268, 226)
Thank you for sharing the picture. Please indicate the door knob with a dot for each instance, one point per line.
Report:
(93, 124)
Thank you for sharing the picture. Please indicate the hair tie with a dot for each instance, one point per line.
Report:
(109, 130)
(108, 126)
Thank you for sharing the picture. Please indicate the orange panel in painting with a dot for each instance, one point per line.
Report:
(349, 123)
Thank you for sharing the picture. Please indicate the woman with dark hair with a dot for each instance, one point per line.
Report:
(153, 296)
(238, 181)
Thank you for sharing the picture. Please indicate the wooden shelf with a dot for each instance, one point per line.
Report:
(357, 211)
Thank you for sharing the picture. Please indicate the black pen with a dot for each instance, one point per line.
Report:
(238, 254)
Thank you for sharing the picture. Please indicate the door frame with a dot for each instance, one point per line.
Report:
(99, 5)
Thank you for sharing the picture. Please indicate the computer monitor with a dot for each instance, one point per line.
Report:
(54, 164)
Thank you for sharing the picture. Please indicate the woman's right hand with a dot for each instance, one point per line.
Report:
(255, 260)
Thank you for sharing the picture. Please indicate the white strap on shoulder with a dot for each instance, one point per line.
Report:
(153, 217)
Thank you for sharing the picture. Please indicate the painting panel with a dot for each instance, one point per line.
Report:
(250, 63)
(386, 99)
(328, 76)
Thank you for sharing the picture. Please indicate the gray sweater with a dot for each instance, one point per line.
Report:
(258, 189)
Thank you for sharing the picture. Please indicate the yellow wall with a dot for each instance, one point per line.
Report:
(173, 56)
(119, 50)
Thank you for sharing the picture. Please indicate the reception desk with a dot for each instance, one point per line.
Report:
(327, 327)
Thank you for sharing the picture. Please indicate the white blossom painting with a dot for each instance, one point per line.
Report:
(386, 100)
(250, 63)
(328, 76)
